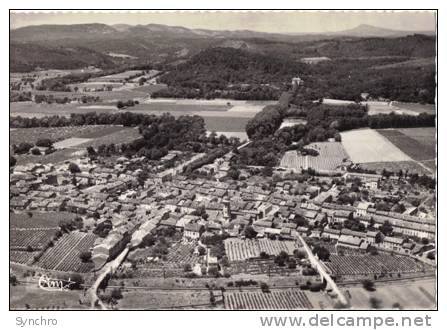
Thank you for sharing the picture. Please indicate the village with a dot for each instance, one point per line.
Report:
(175, 226)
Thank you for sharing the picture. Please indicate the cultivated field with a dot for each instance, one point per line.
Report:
(31, 135)
(119, 76)
(41, 220)
(356, 264)
(70, 142)
(291, 299)
(411, 166)
(401, 108)
(226, 124)
(242, 249)
(412, 146)
(331, 156)
(165, 299)
(367, 145)
(64, 255)
(36, 239)
(419, 294)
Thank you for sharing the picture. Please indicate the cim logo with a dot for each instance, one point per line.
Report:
(53, 284)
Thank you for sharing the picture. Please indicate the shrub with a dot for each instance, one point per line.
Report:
(36, 151)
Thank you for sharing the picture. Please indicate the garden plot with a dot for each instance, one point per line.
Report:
(368, 146)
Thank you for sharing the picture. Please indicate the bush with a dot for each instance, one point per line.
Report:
(23, 148)
(74, 168)
(45, 143)
(368, 285)
(264, 287)
(36, 151)
(85, 256)
(187, 268)
(116, 294)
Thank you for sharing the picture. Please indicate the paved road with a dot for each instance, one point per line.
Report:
(108, 268)
(316, 263)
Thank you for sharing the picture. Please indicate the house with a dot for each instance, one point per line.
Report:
(340, 216)
(349, 242)
(192, 231)
(330, 233)
(392, 243)
(361, 209)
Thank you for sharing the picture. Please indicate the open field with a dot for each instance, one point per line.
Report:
(119, 76)
(416, 62)
(75, 140)
(226, 124)
(150, 88)
(290, 122)
(416, 107)
(424, 135)
(411, 166)
(367, 145)
(409, 145)
(124, 135)
(38, 219)
(147, 300)
(31, 135)
(70, 142)
(58, 156)
(240, 135)
(31, 295)
(419, 294)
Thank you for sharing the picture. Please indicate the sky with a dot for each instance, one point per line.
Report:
(274, 22)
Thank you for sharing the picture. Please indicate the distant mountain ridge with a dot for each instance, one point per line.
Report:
(365, 30)
(117, 30)
(74, 46)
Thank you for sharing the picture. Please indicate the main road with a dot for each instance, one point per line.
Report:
(317, 264)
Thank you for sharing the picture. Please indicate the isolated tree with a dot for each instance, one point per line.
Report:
(116, 294)
(85, 256)
(36, 151)
(375, 303)
(368, 285)
(74, 168)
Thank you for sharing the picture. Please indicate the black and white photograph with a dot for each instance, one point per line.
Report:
(222, 160)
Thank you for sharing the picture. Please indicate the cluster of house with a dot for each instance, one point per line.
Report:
(122, 211)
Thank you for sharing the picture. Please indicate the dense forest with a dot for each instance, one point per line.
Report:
(241, 74)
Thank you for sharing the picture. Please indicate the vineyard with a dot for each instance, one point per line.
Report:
(257, 267)
(331, 156)
(276, 300)
(373, 264)
(242, 249)
(64, 255)
(22, 257)
(41, 220)
(33, 239)
(182, 253)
